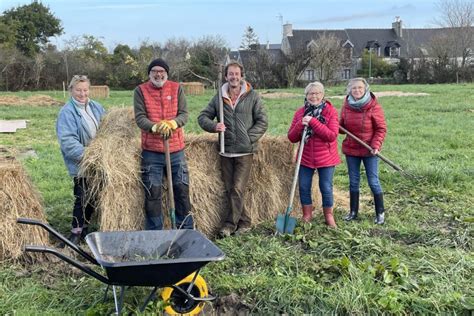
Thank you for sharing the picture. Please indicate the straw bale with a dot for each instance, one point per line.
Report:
(193, 88)
(114, 164)
(99, 92)
(18, 198)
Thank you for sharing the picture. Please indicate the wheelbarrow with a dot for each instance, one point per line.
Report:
(169, 259)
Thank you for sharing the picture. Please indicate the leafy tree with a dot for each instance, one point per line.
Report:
(32, 24)
(249, 39)
(378, 66)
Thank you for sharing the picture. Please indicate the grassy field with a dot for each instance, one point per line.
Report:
(420, 262)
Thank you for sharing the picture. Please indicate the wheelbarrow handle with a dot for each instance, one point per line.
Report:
(76, 248)
(77, 264)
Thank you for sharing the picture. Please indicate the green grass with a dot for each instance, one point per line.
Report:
(420, 262)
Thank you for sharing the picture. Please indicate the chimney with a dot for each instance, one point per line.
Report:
(287, 30)
(397, 26)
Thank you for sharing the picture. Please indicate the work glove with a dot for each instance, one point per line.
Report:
(166, 128)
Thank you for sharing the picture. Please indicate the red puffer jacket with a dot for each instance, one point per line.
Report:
(321, 148)
(367, 123)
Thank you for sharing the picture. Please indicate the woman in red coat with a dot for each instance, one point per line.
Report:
(320, 150)
(363, 116)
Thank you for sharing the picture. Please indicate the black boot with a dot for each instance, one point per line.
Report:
(354, 204)
(379, 209)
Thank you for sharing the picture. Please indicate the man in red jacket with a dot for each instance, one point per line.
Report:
(160, 112)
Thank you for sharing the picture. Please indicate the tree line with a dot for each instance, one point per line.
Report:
(29, 61)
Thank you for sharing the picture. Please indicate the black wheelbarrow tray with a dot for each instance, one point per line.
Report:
(152, 258)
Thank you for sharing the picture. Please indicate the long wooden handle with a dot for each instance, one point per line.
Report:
(169, 176)
(297, 169)
(360, 141)
(221, 109)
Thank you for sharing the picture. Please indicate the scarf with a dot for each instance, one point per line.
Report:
(316, 112)
(357, 104)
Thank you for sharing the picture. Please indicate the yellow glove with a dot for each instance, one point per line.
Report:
(154, 128)
(166, 128)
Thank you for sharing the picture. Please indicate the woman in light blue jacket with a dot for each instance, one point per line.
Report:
(76, 126)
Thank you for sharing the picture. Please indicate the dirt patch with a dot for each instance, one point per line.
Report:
(34, 100)
(280, 95)
(388, 94)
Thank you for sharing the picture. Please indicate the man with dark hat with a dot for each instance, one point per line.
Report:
(160, 112)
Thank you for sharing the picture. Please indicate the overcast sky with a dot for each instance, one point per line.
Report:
(131, 22)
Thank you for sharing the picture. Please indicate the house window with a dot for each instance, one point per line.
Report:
(310, 74)
(394, 51)
(346, 74)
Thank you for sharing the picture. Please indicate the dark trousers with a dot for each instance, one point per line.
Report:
(83, 207)
(235, 174)
(154, 169)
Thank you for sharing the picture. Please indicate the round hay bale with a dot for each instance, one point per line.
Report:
(19, 198)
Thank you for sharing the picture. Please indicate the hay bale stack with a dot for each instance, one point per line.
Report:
(112, 164)
(18, 198)
(193, 88)
(99, 92)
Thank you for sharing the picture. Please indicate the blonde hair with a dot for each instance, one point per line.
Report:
(317, 85)
(77, 79)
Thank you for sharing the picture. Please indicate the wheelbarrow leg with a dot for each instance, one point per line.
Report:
(105, 293)
(119, 303)
(149, 298)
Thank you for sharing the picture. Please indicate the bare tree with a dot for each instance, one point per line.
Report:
(327, 56)
(458, 17)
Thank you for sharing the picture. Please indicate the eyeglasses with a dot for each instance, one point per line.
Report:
(160, 71)
(314, 93)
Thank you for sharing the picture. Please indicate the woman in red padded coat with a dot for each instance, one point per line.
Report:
(320, 151)
(363, 116)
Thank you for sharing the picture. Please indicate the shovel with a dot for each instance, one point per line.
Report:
(170, 184)
(285, 224)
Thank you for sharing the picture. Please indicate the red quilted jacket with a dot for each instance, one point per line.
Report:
(367, 123)
(321, 148)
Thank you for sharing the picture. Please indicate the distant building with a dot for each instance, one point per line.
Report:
(391, 44)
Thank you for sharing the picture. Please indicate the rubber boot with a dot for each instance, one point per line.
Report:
(329, 217)
(307, 213)
(354, 204)
(379, 209)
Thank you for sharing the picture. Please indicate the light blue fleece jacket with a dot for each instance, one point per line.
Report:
(73, 133)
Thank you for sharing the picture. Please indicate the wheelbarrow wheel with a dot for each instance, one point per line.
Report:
(178, 304)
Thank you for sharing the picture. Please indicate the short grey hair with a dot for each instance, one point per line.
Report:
(354, 80)
(77, 79)
(317, 85)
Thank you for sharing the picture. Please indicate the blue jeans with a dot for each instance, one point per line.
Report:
(371, 165)
(153, 169)
(326, 175)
